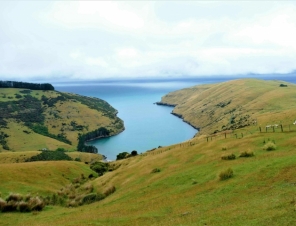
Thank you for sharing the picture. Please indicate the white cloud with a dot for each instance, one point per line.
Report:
(96, 39)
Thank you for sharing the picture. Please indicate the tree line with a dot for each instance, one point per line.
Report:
(82, 138)
(26, 85)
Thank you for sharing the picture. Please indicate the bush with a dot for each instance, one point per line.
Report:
(2, 204)
(228, 157)
(89, 198)
(156, 170)
(109, 191)
(122, 155)
(36, 204)
(246, 154)
(226, 174)
(270, 146)
(14, 197)
(100, 167)
(134, 153)
(24, 207)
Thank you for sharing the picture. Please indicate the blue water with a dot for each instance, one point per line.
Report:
(147, 125)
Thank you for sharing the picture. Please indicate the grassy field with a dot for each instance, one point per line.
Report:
(180, 184)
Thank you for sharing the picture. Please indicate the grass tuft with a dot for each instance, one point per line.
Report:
(246, 154)
(270, 146)
(228, 157)
(226, 174)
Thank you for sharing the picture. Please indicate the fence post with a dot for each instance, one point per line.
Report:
(225, 135)
(242, 135)
(273, 128)
(282, 128)
(207, 139)
(260, 128)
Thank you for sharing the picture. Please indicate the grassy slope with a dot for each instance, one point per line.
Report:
(65, 111)
(39, 177)
(249, 99)
(188, 191)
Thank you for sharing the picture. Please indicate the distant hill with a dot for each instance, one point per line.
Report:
(234, 104)
(48, 119)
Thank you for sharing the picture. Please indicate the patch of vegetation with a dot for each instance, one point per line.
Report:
(3, 140)
(26, 91)
(17, 202)
(27, 110)
(228, 157)
(43, 130)
(50, 102)
(226, 174)
(155, 170)
(223, 104)
(124, 155)
(283, 85)
(82, 138)
(246, 154)
(100, 167)
(269, 146)
(50, 156)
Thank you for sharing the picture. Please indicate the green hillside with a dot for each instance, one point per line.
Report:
(36, 119)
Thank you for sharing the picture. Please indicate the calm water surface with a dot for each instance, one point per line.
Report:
(147, 125)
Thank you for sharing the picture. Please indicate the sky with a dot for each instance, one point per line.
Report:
(61, 40)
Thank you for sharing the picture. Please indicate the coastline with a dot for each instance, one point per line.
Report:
(177, 115)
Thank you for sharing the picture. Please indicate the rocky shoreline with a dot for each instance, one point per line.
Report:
(175, 114)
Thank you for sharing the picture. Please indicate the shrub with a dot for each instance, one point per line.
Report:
(134, 153)
(10, 206)
(14, 197)
(270, 146)
(100, 196)
(122, 155)
(109, 191)
(36, 204)
(23, 207)
(100, 167)
(2, 204)
(226, 174)
(156, 170)
(228, 157)
(89, 198)
(246, 154)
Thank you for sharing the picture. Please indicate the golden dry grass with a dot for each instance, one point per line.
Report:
(263, 101)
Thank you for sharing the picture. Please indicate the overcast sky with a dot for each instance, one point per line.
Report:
(103, 39)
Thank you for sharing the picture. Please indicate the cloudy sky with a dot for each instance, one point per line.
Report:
(104, 39)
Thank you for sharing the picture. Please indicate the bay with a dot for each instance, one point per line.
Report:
(147, 125)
